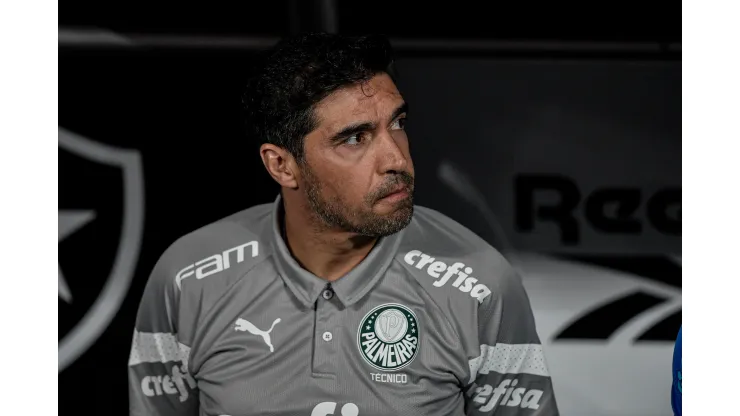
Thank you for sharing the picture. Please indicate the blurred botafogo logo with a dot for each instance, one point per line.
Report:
(101, 218)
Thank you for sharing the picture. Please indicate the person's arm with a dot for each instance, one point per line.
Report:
(159, 381)
(511, 376)
(676, 388)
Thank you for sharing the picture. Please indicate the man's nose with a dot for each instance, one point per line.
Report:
(392, 157)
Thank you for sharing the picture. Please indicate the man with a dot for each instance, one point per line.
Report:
(341, 297)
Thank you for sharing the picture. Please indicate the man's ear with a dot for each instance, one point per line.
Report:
(280, 164)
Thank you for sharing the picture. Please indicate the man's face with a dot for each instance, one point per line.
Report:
(356, 159)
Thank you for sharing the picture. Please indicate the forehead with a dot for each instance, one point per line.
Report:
(373, 100)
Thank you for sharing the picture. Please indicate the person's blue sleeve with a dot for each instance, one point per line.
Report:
(676, 390)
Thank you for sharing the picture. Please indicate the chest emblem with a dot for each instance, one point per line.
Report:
(388, 337)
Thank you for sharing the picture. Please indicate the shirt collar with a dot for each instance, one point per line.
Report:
(349, 288)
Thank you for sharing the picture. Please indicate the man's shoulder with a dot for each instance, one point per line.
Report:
(239, 238)
(433, 221)
(443, 253)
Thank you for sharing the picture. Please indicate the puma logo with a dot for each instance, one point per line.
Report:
(244, 325)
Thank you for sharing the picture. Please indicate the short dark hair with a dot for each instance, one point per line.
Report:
(299, 72)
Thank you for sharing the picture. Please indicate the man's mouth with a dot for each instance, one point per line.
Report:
(399, 192)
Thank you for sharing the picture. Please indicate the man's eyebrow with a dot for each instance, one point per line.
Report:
(403, 108)
(352, 129)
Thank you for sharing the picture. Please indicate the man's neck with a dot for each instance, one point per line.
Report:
(328, 254)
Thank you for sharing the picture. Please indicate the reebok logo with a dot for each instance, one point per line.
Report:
(508, 395)
(216, 263)
(444, 273)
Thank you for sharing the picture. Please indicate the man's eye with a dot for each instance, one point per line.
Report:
(353, 140)
(399, 124)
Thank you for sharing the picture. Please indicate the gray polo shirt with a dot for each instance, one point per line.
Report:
(433, 322)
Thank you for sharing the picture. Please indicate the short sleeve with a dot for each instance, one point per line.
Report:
(510, 376)
(159, 380)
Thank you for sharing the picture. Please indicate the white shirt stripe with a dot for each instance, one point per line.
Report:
(509, 359)
(157, 347)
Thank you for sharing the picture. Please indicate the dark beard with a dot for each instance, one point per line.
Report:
(334, 214)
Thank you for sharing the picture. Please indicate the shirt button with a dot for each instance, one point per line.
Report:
(327, 336)
(327, 294)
